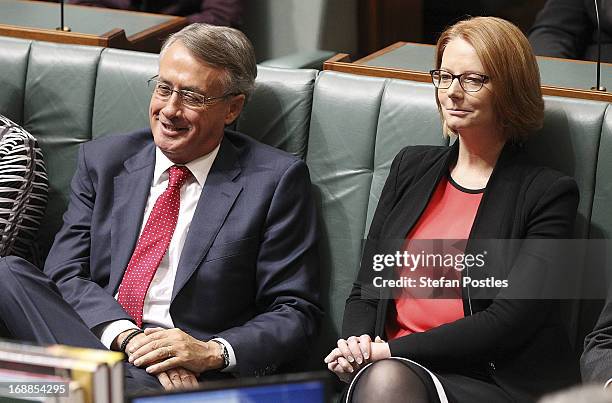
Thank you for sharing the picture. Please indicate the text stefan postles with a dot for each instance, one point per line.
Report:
(442, 282)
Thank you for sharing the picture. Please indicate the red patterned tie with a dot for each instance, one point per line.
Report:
(152, 245)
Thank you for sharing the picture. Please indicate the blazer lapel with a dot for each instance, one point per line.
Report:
(491, 211)
(412, 204)
(218, 196)
(131, 190)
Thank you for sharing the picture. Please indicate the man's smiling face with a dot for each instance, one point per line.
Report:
(185, 133)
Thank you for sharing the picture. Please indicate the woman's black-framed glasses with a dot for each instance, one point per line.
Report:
(191, 99)
(470, 82)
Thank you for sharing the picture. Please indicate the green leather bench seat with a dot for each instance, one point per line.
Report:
(340, 159)
(600, 228)
(121, 102)
(58, 110)
(278, 113)
(13, 73)
(348, 128)
(569, 142)
(601, 215)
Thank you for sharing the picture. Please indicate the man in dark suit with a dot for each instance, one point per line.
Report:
(596, 360)
(568, 29)
(197, 234)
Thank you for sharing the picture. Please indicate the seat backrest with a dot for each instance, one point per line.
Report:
(570, 142)
(598, 270)
(13, 68)
(601, 215)
(278, 112)
(340, 159)
(58, 97)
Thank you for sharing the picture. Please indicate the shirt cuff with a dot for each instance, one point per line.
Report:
(110, 332)
(232, 356)
(607, 383)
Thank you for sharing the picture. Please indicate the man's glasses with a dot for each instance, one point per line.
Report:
(190, 99)
(470, 82)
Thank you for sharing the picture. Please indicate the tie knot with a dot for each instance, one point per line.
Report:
(178, 175)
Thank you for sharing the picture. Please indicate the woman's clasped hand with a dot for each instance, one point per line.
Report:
(354, 353)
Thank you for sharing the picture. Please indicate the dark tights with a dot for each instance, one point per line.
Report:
(390, 381)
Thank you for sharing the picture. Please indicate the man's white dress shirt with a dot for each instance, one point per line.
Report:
(156, 310)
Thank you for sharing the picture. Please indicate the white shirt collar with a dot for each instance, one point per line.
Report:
(200, 167)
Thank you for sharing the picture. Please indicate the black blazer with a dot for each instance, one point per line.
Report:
(521, 343)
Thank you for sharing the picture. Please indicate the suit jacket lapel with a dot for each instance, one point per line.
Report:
(218, 196)
(131, 190)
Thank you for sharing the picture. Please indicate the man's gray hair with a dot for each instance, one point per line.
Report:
(221, 47)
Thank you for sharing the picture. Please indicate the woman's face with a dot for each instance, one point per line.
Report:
(465, 110)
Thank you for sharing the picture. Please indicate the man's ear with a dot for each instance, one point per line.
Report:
(234, 108)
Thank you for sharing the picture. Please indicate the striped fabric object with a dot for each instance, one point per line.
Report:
(23, 191)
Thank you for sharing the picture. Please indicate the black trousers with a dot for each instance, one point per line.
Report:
(33, 310)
